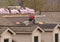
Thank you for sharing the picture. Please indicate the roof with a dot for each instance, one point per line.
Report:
(17, 19)
(30, 28)
(27, 29)
(23, 29)
(4, 21)
(50, 17)
(47, 26)
(2, 29)
(10, 22)
(19, 29)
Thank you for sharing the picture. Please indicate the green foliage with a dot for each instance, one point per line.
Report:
(5, 3)
(35, 4)
(39, 5)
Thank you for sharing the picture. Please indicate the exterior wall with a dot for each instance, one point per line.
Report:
(6, 35)
(47, 37)
(56, 30)
(22, 38)
(36, 33)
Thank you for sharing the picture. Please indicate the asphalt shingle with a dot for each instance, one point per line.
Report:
(47, 26)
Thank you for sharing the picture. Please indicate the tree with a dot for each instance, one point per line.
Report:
(35, 4)
(11, 3)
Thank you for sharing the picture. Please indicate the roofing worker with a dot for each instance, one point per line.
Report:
(9, 10)
(32, 18)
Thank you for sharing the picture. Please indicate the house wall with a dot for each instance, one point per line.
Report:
(47, 37)
(22, 38)
(6, 35)
(36, 33)
(56, 30)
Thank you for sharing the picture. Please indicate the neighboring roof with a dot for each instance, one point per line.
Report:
(3, 29)
(19, 29)
(47, 26)
(30, 28)
(23, 29)
(27, 29)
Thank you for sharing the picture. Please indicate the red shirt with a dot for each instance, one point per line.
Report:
(32, 17)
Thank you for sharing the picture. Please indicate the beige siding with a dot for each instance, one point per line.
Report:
(6, 35)
(47, 37)
(22, 38)
(36, 33)
(56, 30)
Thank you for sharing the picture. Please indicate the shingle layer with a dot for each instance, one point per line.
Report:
(47, 26)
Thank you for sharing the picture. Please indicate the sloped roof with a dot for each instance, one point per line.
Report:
(27, 29)
(12, 20)
(17, 19)
(23, 29)
(51, 17)
(4, 21)
(18, 29)
(47, 26)
(2, 29)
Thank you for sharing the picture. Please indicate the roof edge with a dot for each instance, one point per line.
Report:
(23, 32)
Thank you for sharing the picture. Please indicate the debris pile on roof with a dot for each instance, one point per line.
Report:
(22, 10)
